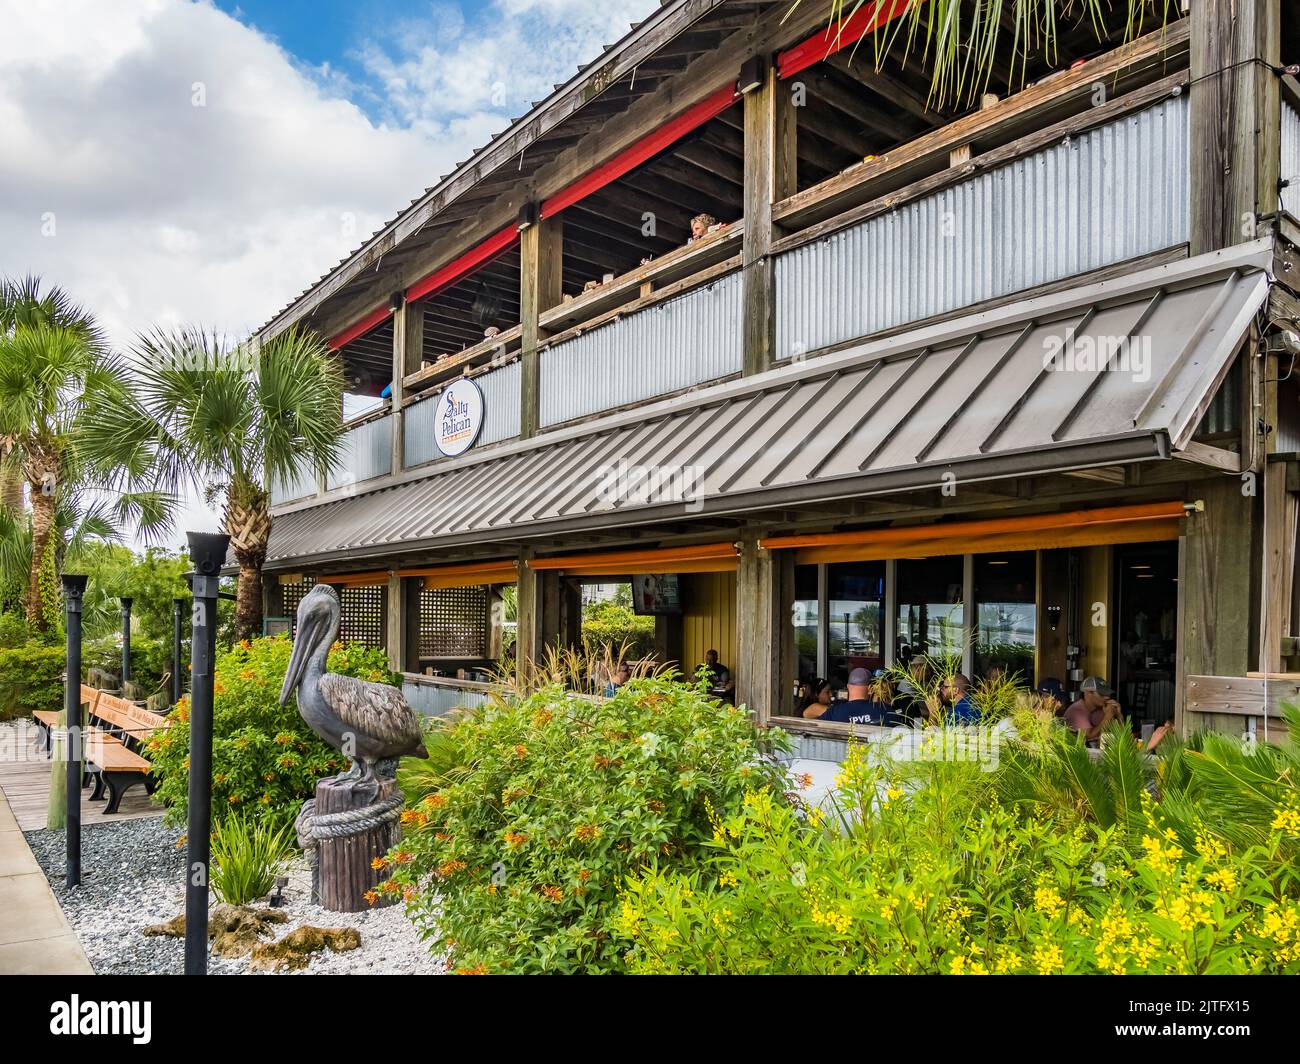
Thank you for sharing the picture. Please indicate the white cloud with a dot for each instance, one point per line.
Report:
(153, 211)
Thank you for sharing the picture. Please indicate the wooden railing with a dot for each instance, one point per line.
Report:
(1249, 704)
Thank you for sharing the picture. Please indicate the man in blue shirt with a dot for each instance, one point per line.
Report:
(956, 693)
(859, 709)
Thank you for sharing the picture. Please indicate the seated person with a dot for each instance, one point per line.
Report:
(1050, 692)
(859, 709)
(956, 706)
(818, 699)
(1094, 710)
(909, 701)
(1162, 732)
(718, 675)
(620, 676)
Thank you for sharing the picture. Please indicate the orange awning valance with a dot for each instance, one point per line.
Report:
(1143, 523)
(468, 575)
(700, 558)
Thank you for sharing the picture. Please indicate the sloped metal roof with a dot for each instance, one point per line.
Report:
(980, 397)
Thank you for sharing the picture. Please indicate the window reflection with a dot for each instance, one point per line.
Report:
(855, 619)
(1006, 617)
(931, 617)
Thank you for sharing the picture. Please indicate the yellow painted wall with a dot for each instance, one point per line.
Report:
(708, 618)
(1095, 584)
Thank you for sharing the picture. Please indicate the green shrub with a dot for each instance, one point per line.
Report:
(517, 865)
(264, 757)
(246, 857)
(926, 880)
(31, 678)
(150, 658)
(613, 625)
(13, 629)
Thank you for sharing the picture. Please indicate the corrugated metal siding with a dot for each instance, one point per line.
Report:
(1224, 413)
(1291, 159)
(367, 453)
(814, 747)
(973, 394)
(300, 487)
(680, 342)
(500, 389)
(434, 701)
(1111, 194)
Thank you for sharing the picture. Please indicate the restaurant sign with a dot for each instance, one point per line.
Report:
(460, 417)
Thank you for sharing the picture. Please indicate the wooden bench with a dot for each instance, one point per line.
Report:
(114, 732)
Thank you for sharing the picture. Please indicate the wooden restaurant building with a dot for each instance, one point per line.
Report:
(1011, 378)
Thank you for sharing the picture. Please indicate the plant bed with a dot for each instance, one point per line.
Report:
(133, 877)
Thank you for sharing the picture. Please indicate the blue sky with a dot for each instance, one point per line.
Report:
(202, 162)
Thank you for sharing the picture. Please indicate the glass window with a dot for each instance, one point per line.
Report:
(855, 600)
(805, 618)
(1006, 617)
(931, 617)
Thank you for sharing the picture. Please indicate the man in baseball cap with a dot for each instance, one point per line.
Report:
(859, 709)
(1095, 709)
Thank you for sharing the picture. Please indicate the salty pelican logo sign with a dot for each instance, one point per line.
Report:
(460, 417)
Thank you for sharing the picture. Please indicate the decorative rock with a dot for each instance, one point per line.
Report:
(293, 952)
(234, 929)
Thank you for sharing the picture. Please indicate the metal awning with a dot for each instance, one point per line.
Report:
(1113, 372)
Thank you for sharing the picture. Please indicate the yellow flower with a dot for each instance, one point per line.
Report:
(1048, 901)
(1287, 820)
(1049, 959)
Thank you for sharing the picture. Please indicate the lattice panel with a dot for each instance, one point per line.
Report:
(362, 616)
(453, 622)
(291, 595)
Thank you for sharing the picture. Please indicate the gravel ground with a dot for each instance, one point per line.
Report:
(133, 875)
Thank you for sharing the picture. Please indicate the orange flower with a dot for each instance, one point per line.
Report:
(601, 762)
(554, 894)
(586, 832)
(655, 805)
(379, 863)
(433, 801)
(515, 839)
(521, 751)
(478, 969)
(235, 799)
(402, 857)
(442, 836)
(409, 816)
(584, 875)
(390, 886)
(409, 894)
(371, 897)
(450, 868)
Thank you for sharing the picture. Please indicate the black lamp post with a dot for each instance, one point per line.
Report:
(208, 554)
(178, 613)
(126, 641)
(74, 586)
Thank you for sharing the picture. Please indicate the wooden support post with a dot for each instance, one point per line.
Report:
(530, 625)
(395, 628)
(408, 349)
(1215, 587)
(1235, 120)
(770, 175)
(541, 265)
(759, 630)
(413, 586)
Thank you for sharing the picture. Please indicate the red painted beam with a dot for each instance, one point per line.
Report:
(460, 267)
(869, 17)
(645, 148)
(375, 317)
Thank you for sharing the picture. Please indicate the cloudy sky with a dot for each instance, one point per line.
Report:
(170, 161)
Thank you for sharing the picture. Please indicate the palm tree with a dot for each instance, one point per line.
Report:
(50, 373)
(959, 39)
(24, 306)
(232, 420)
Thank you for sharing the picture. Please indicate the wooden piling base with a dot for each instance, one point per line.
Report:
(342, 872)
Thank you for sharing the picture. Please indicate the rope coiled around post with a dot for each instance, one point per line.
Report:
(311, 828)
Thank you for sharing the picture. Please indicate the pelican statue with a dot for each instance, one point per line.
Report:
(369, 722)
